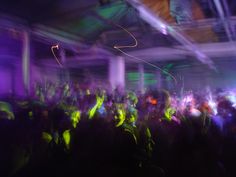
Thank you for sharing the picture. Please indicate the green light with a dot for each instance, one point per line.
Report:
(135, 76)
(166, 70)
(121, 117)
(150, 82)
(86, 26)
(134, 116)
(90, 26)
(168, 66)
(66, 138)
(168, 113)
(132, 119)
(99, 102)
(92, 112)
(46, 137)
(133, 97)
(31, 115)
(148, 133)
(75, 118)
(111, 11)
(6, 107)
(149, 76)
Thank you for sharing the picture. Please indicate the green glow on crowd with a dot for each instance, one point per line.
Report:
(148, 133)
(121, 117)
(6, 107)
(168, 113)
(132, 133)
(150, 142)
(132, 119)
(92, 112)
(56, 137)
(75, 118)
(46, 137)
(99, 102)
(66, 138)
(132, 96)
(31, 115)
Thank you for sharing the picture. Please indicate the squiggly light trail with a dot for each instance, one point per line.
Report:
(119, 47)
(52, 49)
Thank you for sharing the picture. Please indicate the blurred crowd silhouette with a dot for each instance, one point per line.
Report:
(63, 130)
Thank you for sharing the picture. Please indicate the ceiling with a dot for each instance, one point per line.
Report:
(95, 22)
(103, 23)
(88, 19)
(83, 18)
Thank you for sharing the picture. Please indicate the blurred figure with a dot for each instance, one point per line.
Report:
(181, 10)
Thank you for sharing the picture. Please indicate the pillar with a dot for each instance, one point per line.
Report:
(117, 72)
(65, 75)
(159, 79)
(141, 77)
(26, 61)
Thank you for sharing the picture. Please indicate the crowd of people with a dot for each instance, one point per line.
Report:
(66, 130)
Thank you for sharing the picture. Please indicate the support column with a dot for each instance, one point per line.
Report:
(141, 77)
(65, 73)
(62, 55)
(159, 79)
(26, 61)
(117, 72)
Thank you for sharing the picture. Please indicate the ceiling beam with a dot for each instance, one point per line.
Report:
(224, 17)
(213, 50)
(160, 25)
